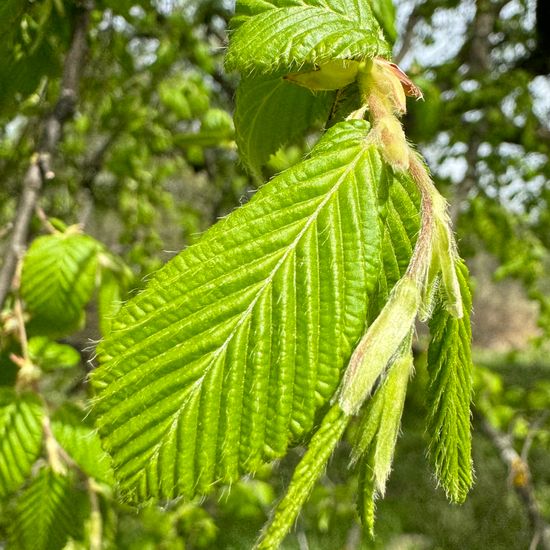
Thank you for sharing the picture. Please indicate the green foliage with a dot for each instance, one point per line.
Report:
(58, 280)
(283, 36)
(150, 161)
(449, 396)
(49, 355)
(20, 437)
(217, 331)
(74, 431)
(48, 512)
(271, 301)
(271, 112)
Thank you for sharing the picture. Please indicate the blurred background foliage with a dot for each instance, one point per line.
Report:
(148, 161)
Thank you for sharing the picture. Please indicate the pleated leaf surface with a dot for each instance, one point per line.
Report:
(291, 34)
(224, 359)
(20, 437)
(271, 112)
(58, 280)
(450, 394)
(48, 512)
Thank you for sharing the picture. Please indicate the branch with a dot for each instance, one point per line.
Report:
(408, 35)
(520, 479)
(40, 170)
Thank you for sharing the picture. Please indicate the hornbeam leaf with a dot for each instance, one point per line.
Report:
(377, 435)
(305, 475)
(20, 437)
(74, 431)
(384, 11)
(58, 279)
(449, 395)
(271, 112)
(292, 34)
(224, 359)
(48, 512)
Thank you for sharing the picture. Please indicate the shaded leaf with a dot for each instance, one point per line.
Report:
(48, 512)
(20, 437)
(271, 112)
(74, 431)
(50, 355)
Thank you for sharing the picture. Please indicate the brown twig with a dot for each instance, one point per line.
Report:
(40, 170)
(520, 480)
(408, 36)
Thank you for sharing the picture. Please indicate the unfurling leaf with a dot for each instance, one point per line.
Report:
(450, 394)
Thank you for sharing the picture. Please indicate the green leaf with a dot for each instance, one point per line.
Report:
(224, 359)
(50, 355)
(48, 512)
(20, 437)
(271, 112)
(377, 435)
(366, 494)
(449, 395)
(74, 431)
(307, 472)
(308, 32)
(400, 211)
(58, 279)
(384, 11)
(116, 279)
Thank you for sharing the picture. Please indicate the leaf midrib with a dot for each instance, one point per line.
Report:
(173, 419)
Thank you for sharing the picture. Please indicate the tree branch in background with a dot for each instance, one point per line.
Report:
(520, 480)
(40, 169)
(408, 36)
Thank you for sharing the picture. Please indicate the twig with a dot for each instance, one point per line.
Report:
(40, 170)
(533, 429)
(5, 229)
(45, 221)
(520, 479)
(408, 36)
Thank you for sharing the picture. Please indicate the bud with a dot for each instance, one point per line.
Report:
(392, 142)
(380, 345)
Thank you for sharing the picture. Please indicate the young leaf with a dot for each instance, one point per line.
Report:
(58, 279)
(384, 11)
(20, 437)
(309, 32)
(224, 359)
(308, 471)
(377, 435)
(450, 394)
(48, 512)
(271, 112)
(366, 491)
(50, 355)
(74, 431)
